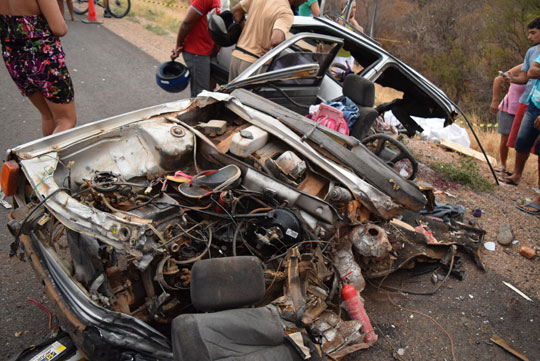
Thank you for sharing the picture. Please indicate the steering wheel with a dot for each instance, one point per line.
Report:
(399, 159)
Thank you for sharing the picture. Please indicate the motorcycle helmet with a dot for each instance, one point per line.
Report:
(172, 76)
(223, 29)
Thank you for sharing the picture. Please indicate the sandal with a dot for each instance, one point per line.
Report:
(531, 205)
(508, 181)
(209, 181)
(502, 171)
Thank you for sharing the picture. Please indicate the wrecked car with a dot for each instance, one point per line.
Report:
(338, 51)
(220, 226)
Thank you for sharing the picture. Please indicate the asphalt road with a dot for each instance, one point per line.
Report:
(110, 77)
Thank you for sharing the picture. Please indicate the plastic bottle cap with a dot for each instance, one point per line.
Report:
(348, 292)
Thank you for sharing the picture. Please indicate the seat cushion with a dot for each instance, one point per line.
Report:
(253, 334)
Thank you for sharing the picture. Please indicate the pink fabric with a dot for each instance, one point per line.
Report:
(510, 101)
(330, 117)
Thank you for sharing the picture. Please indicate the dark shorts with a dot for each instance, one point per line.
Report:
(42, 69)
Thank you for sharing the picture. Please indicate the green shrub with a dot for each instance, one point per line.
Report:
(465, 172)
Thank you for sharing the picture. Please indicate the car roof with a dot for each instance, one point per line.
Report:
(303, 23)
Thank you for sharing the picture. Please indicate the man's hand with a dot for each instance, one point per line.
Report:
(175, 53)
(537, 123)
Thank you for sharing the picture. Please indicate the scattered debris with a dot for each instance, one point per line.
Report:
(429, 236)
(502, 343)
(505, 235)
(527, 252)
(517, 291)
(490, 246)
(445, 143)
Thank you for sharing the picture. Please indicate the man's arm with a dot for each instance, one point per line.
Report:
(192, 16)
(499, 83)
(277, 37)
(534, 70)
(238, 13)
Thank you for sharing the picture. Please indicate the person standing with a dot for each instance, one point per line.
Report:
(33, 55)
(70, 8)
(505, 110)
(267, 24)
(195, 44)
(522, 152)
(532, 120)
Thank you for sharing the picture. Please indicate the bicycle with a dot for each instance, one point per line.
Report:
(117, 8)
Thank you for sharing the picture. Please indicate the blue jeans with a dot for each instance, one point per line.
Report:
(527, 132)
(199, 67)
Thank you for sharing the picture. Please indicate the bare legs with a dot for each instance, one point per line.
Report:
(70, 8)
(521, 159)
(54, 117)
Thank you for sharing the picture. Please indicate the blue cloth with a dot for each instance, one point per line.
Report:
(531, 55)
(535, 92)
(349, 109)
(527, 132)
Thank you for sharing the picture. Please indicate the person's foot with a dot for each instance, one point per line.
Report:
(107, 14)
(511, 180)
(530, 208)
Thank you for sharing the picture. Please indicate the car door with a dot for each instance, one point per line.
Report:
(297, 52)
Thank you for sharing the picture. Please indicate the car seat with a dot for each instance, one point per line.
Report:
(362, 92)
(237, 334)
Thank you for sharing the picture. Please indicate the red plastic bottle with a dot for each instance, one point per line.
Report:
(356, 310)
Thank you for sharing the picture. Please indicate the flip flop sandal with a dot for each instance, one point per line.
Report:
(507, 181)
(179, 177)
(502, 171)
(210, 181)
(532, 205)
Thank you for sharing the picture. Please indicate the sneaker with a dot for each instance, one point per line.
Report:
(107, 14)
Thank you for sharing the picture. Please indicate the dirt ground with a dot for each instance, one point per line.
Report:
(457, 322)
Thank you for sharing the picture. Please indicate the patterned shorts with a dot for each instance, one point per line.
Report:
(40, 66)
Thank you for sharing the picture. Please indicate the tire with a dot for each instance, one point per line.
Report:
(119, 8)
(80, 7)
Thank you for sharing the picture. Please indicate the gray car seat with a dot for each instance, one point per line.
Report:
(252, 334)
(362, 92)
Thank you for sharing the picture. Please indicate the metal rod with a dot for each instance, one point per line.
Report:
(372, 25)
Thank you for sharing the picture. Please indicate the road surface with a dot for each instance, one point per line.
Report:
(110, 77)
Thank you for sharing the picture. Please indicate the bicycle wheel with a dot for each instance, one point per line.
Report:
(80, 7)
(119, 8)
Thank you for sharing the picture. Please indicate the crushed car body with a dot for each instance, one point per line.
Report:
(117, 215)
(229, 224)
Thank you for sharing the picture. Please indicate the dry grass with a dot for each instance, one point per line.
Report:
(157, 17)
(490, 138)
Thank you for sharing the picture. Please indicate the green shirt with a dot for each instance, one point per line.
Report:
(305, 8)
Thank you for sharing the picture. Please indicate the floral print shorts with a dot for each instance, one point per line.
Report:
(34, 58)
